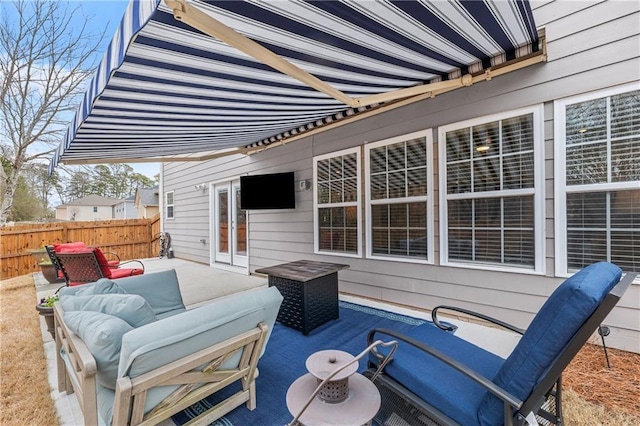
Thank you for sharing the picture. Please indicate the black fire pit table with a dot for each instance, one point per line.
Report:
(310, 291)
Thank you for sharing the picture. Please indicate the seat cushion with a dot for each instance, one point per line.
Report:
(129, 307)
(120, 272)
(564, 312)
(175, 337)
(171, 313)
(439, 385)
(102, 334)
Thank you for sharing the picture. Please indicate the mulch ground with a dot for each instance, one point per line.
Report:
(616, 388)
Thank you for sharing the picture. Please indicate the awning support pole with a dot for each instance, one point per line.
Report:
(191, 15)
(198, 19)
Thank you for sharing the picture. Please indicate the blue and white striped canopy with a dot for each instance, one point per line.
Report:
(164, 88)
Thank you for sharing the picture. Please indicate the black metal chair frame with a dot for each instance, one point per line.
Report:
(515, 410)
(56, 263)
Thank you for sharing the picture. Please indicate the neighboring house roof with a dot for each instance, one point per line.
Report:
(148, 196)
(92, 200)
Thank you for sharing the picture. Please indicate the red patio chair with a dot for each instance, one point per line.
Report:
(81, 264)
(70, 247)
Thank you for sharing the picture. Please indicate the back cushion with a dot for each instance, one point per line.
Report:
(568, 307)
(160, 289)
(129, 307)
(102, 286)
(103, 262)
(78, 247)
(102, 334)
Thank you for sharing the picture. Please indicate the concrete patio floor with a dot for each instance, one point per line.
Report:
(200, 283)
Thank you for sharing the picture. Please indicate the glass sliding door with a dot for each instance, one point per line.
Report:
(230, 226)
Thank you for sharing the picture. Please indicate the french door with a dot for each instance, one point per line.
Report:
(229, 226)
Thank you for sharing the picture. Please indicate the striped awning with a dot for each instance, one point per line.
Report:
(192, 76)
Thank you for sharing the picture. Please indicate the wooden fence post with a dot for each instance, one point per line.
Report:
(65, 232)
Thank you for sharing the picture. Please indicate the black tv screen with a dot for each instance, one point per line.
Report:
(263, 192)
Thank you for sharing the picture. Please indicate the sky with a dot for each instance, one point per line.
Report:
(108, 14)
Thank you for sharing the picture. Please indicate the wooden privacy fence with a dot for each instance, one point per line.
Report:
(129, 238)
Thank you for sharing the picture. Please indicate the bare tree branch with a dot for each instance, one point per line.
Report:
(46, 55)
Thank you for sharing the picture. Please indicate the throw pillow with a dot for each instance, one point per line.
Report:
(133, 309)
(102, 286)
(102, 334)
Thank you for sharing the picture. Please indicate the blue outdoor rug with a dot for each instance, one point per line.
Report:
(284, 361)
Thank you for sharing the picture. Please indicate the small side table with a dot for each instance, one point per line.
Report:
(347, 398)
(310, 291)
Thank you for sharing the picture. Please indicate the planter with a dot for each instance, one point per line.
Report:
(40, 255)
(50, 273)
(47, 313)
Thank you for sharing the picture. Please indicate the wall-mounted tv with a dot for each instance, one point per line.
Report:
(271, 191)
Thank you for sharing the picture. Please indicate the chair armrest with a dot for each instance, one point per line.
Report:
(487, 318)
(129, 261)
(505, 396)
(112, 254)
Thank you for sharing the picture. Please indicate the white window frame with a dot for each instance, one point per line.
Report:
(560, 171)
(537, 191)
(358, 203)
(167, 205)
(428, 135)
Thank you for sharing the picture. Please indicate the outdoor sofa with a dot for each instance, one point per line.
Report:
(133, 353)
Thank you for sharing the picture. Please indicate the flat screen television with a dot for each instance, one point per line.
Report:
(265, 192)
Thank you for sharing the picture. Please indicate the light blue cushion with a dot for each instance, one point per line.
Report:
(131, 308)
(171, 313)
(102, 334)
(558, 320)
(160, 289)
(175, 337)
(102, 286)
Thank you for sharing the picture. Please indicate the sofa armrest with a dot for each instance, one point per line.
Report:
(76, 367)
(190, 379)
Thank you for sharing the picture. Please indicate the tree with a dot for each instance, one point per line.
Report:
(26, 205)
(108, 180)
(79, 185)
(46, 54)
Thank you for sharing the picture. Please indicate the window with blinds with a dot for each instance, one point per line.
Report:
(168, 204)
(601, 180)
(337, 190)
(489, 207)
(397, 173)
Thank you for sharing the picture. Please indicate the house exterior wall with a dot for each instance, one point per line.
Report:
(80, 213)
(148, 212)
(591, 46)
(125, 210)
(61, 213)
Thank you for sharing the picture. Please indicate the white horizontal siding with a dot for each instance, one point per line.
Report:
(591, 45)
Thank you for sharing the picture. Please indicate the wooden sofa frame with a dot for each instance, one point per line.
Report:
(130, 393)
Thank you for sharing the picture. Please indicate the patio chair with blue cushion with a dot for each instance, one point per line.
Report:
(436, 378)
